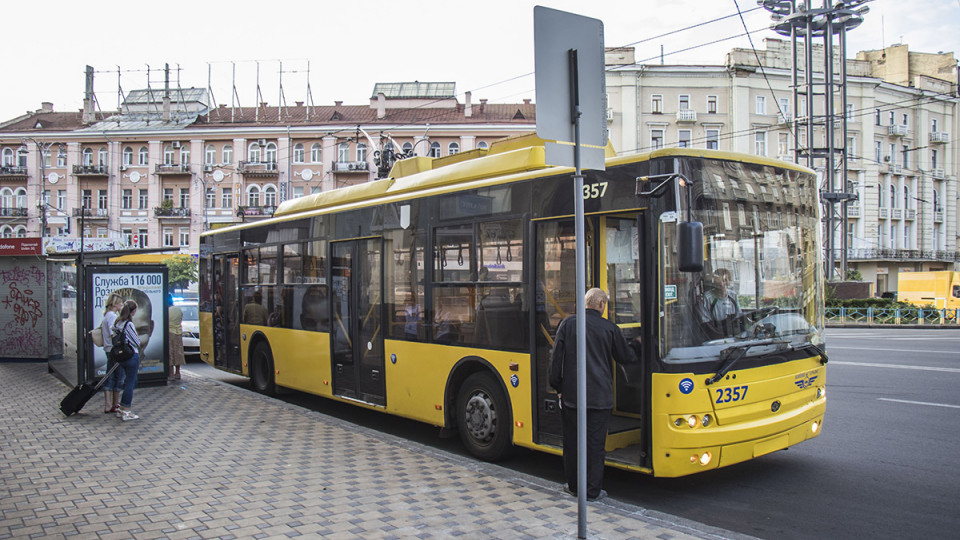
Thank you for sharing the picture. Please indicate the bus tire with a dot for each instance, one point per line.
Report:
(483, 417)
(261, 369)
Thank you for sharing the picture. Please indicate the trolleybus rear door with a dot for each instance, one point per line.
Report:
(226, 327)
(355, 333)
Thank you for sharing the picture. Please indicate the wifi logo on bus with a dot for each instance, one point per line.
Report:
(686, 386)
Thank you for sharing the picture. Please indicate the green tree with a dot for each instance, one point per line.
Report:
(183, 271)
(854, 275)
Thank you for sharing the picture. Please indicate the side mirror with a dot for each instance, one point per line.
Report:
(690, 246)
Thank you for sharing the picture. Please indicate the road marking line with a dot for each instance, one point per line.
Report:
(920, 403)
(925, 351)
(897, 366)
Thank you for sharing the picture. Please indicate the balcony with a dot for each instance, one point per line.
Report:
(256, 211)
(865, 254)
(892, 168)
(12, 171)
(172, 168)
(161, 212)
(937, 174)
(686, 115)
(939, 137)
(910, 214)
(350, 166)
(93, 213)
(90, 170)
(254, 169)
(897, 130)
(853, 211)
(896, 213)
(13, 212)
(883, 213)
(784, 119)
(938, 216)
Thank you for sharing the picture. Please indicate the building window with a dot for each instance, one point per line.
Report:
(226, 198)
(933, 124)
(656, 103)
(88, 156)
(893, 154)
(127, 156)
(713, 139)
(906, 119)
(297, 191)
(168, 155)
(315, 153)
(185, 155)
(893, 117)
(253, 153)
(905, 152)
(434, 149)
(184, 237)
(142, 199)
(343, 152)
(298, 153)
(211, 198)
(142, 156)
(270, 196)
(712, 104)
(783, 145)
(453, 148)
(876, 117)
(850, 111)
(270, 154)
(361, 152)
(761, 105)
(878, 151)
(253, 195)
(851, 148)
(933, 159)
(684, 102)
(102, 157)
(760, 143)
(408, 148)
(87, 199)
(168, 237)
(482, 145)
(893, 196)
(142, 237)
(184, 197)
(61, 158)
(683, 138)
(61, 199)
(227, 153)
(210, 155)
(656, 139)
(128, 236)
(102, 199)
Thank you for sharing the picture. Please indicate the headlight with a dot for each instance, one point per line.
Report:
(692, 421)
(821, 391)
(706, 420)
(814, 427)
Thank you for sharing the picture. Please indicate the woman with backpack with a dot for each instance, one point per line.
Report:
(130, 366)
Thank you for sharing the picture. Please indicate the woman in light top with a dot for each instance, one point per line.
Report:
(132, 365)
(114, 383)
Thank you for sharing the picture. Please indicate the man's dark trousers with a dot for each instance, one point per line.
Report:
(596, 439)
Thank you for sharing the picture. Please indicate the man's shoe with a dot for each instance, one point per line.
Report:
(601, 495)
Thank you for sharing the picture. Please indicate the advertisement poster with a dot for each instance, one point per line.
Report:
(146, 288)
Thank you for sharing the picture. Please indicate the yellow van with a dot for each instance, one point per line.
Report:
(938, 289)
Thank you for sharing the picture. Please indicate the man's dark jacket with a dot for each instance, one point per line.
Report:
(604, 341)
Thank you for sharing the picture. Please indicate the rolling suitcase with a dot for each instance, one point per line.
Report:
(82, 393)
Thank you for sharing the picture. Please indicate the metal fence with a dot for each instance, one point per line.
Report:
(892, 316)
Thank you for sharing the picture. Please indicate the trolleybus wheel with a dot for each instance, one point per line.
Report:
(261, 369)
(483, 417)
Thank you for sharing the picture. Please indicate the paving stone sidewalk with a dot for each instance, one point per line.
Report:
(208, 460)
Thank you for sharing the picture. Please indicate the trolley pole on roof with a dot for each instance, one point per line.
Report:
(568, 46)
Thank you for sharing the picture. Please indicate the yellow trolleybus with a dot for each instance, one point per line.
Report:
(435, 295)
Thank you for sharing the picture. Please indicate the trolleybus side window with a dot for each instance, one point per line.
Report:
(404, 274)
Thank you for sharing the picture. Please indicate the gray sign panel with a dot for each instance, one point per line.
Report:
(555, 34)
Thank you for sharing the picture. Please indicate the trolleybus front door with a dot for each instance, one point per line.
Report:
(355, 333)
(226, 327)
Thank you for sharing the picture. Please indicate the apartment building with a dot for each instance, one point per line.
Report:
(900, 151)
(167, 165)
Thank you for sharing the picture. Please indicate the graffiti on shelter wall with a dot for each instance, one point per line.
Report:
(22, 308)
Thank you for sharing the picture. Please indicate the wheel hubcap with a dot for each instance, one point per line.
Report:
(480, 417)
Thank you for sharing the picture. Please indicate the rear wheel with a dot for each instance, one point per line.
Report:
(261, 369)
(483, 417)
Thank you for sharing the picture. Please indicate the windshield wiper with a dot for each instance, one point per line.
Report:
(732, 354)
(814, 350)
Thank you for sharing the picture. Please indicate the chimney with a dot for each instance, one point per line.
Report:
(263, 104)
(337, 103)
(88, 117)
(468, 107)
(526, 101)
(483, 104)
(166, 92)
(46, 107)
(299, 104)
(381, 105)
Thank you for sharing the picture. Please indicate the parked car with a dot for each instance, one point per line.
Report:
(190, 327)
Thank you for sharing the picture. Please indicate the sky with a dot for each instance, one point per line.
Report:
(484, 47)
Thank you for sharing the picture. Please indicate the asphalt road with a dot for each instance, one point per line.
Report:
(885, 465)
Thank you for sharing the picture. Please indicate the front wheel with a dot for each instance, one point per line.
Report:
(483, 417)
(261, 369)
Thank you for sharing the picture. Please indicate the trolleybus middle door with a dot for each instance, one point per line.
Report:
(355, 334)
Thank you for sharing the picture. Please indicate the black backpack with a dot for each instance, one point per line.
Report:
(122, 350)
